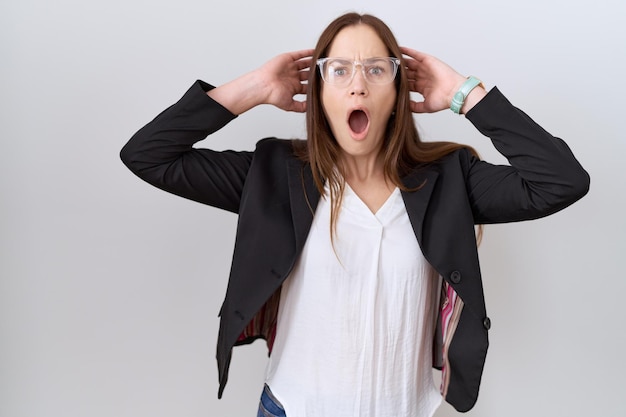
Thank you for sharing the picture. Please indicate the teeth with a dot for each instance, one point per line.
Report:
(358, 121)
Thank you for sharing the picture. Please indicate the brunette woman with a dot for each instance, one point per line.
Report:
(356, 256)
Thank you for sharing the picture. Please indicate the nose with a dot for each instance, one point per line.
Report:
(358, 86)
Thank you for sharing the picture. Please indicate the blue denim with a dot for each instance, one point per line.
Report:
(269, 405)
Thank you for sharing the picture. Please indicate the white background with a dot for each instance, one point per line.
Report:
(109, 288)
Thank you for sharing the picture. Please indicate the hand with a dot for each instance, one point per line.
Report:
(285, 76)
(276, 82)
(436, 81)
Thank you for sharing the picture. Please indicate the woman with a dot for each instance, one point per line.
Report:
(355, 248)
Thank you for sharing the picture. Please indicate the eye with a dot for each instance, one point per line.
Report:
(339, 71)
(376, 70)
(339, 68)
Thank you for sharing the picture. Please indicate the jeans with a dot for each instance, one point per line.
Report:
(269, 405)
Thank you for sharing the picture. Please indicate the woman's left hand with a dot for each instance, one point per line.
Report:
(436, 81)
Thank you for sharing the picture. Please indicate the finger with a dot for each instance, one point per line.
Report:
(303, 88)
(304, 67)
(303, 75)
(416, 55)
(409, 62)
(412, 64)
(304, 63)
(418, 107)
(411, 74)
(303, 53)
(297, 106)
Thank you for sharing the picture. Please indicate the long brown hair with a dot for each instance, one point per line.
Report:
(402, 148)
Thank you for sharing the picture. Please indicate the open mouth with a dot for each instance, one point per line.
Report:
(358, 121)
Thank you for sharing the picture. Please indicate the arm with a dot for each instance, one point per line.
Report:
(162, 152)
(544, 175)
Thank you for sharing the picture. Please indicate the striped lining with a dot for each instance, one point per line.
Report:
(451, 308)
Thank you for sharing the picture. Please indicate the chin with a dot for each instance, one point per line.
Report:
(359, 147)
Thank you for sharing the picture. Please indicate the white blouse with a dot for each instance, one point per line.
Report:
(356, 322)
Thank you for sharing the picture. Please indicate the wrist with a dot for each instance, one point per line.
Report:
(457, 104)
(240, 94)
(473, 98)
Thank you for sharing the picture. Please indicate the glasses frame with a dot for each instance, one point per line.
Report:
(395, 61)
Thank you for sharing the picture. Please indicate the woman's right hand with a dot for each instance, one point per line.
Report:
(276, 82)
(284, 77)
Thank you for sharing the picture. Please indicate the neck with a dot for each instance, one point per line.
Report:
(366, 177)
(363, 168)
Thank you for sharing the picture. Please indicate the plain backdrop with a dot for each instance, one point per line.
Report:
(110, 288)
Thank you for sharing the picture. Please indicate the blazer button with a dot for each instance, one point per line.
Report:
(487, 323)
(455, 277)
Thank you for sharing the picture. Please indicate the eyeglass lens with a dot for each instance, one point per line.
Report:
(375, 70)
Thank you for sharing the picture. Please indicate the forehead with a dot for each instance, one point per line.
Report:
(358, 42)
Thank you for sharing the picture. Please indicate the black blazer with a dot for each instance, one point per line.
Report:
(274, 195)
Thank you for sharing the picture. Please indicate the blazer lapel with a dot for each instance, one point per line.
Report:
(416, 202)
(303, 196)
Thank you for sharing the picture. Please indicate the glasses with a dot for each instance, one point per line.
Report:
(340, 71)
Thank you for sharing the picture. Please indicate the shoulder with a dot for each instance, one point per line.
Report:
(278, 148)
(461, 159)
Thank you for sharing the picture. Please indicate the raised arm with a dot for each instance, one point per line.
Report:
(543, 176)
(162, 152)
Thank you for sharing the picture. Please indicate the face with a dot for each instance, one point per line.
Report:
(358, 112)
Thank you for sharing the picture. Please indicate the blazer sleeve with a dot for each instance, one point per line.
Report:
(162, 152)
(543, 176)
